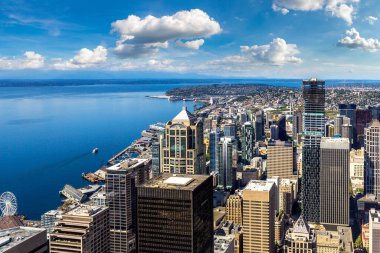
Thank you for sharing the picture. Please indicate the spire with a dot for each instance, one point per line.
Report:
(184, 115)
(301, 226)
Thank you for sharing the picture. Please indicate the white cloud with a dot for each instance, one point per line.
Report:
(192, 44)
(297, 5)
(343, 9)
(31, 60)
(353, 40)
(83, 59)
(145, 36)
(371, 20)
(277, 52)
(284, 11)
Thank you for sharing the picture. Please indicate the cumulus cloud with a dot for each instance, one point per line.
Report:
(371, 20)
(277, 52)
(192, 44)
(353, 40)
(31, 60)
(83, 59)
(145, 36)
(343, 9)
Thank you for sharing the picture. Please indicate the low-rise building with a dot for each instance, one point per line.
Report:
(23, 240)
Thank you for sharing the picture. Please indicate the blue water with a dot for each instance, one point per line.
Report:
(48, 129)
(47, 134)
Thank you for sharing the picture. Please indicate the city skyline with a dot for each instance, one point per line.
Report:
(255, 38)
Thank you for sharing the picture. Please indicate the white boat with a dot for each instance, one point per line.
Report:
(95, 150)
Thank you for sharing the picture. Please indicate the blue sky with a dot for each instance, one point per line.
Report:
(223, 38)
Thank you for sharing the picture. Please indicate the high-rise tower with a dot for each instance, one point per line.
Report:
(313, 92)
(182, 149)
(372, 159)
(335, 181)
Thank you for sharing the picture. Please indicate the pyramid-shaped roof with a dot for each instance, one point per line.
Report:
(184, 115)
(301, 226)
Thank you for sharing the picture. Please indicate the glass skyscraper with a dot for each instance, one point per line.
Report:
(313, 92)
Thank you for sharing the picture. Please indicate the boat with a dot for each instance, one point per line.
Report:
(95, 150)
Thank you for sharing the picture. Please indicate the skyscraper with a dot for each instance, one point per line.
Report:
(226, 174)
(182, 149)
(313, 92)
(363, 118)
(214, 149)
(259, 126)
(280, 159)
(121, 182)
(175, 214)
(372, 159)
(229, 130)
(258, 217)
(156, 158)
(281, 123)
(83, 229)
(297, 124)
(338, 122)
(274, 132)
(374, 231)
(248, 142)
(335, 181)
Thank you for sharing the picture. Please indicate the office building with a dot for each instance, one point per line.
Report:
(156, 159)
(297, 124)
(23, 240)
(280, 159)
(226, 173)
(339, 241)
(372, 159)
(335, 181)
(281, 123)
(338, 122)
(214, 140)
(182, 149)
(374, 231)
(300, 238)
(248, 142)
(49, 219)
(259, 126)
(229, 130)
(349, 111)
(347, 132)
(234, 209)
(287, 194)
(121, 182)
(274, 132)
(363, 118)
(375, 112)
(329, 130)
(258, 217)
(175, 214)
(357, 170)
(313, 92)
(83, 229)
(279, 228)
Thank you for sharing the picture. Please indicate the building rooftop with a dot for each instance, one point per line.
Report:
(222, 243)
(259, 185)
(335, 143)
(375, 215)
(127, 164)
(176, 181)
(86, 210)
(184, 115)
(10, 222)
(11, 237)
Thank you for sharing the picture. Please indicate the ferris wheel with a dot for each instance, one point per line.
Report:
(8, 204)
